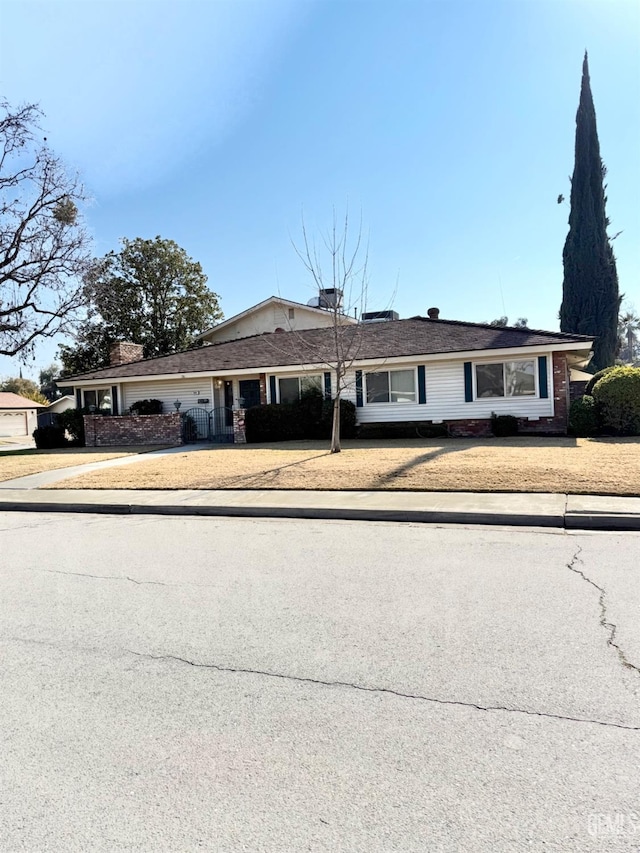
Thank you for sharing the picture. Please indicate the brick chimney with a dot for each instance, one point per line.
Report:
(123, 352)
(433, 313)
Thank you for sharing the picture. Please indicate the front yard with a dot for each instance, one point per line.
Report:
(579, 466)
(21, 463)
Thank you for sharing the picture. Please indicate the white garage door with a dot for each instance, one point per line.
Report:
(13, 423)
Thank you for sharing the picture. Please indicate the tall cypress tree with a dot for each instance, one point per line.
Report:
(590, 297)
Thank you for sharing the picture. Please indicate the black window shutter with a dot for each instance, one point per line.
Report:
(359, 400)
(272, 390)
(468, 383)
(543, 383)
(422, 384)
(114, 400)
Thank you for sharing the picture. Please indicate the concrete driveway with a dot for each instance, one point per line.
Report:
(178, 684)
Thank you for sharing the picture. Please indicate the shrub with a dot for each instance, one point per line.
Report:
(49, 437)
(71, 421)
(189, 428)
(596, 378)
(146, 407)
(308, 418)
(268, 423)
(583, 417)
(503, 425)
(617, 397)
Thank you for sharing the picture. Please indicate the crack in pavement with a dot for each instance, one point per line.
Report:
(105, 577)
(126, 578)
(382, 690)
(610, 627)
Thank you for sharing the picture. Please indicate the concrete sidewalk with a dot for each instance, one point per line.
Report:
(579, 512)
(46, 478)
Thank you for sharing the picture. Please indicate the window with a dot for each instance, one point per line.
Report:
(99, 399)
(292, 313)
(391, 386)
(291, 389)
(506, 379)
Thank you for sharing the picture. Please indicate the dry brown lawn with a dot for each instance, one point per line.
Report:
(565, 465)
(25, 462)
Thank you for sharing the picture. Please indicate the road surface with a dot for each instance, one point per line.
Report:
(186, 684)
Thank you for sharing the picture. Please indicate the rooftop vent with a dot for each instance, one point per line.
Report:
(433, 313)
(330, 297)
(379, 316)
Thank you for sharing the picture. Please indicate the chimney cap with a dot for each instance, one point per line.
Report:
(433, 313)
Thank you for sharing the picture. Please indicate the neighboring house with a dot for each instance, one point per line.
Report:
(62, 404)
(47, 416)
(422, 370)
(18, 416)
(274, 315)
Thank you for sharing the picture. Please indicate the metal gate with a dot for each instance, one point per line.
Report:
(221, 426)
(207, 425)
(195, 425)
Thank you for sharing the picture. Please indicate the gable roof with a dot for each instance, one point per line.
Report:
(287, 303)
(9, 400)
(391, 339)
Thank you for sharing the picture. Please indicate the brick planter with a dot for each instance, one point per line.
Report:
(130, 430)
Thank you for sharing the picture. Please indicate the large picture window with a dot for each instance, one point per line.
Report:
(391, 386)
(295, 387)
(506, 379)
(98, 400)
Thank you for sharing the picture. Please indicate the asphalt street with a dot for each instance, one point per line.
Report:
(182, 684)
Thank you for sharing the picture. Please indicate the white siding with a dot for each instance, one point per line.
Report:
(186, 390)
(268, 319)
(445, 398)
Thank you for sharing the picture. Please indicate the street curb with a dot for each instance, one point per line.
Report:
(328, 513)
(600, 521)
(569, 520)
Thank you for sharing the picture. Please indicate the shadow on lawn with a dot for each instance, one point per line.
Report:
(272, 473)
(419, 460)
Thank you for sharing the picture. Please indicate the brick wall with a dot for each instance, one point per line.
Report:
(129, 430)
(239, 431)
(263, 389)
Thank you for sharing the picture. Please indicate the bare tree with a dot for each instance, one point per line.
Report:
(44, 248)
(339, 270)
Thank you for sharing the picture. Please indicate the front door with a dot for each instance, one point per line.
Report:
(249, 393)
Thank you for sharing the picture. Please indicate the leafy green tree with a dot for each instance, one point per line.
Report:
(24, 388)
(501, 322)
(151, 293)
(48, 383)
(590, 297)
(44, 248)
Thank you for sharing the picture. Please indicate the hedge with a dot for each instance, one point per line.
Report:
(583, 417)
(617, 400)
(146, 407)
(49, 437)
(308, 418)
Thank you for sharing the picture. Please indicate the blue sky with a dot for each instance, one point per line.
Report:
(450, 125)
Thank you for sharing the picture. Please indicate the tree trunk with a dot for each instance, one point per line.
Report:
(335, 427)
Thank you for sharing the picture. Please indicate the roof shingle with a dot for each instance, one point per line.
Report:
(394, 338)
